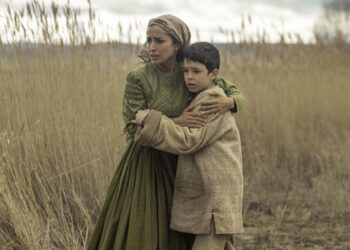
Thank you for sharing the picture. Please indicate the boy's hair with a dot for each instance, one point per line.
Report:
(205, 53)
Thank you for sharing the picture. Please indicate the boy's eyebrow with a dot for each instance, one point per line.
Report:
(192, 67)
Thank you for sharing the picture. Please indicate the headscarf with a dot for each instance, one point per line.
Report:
(175, 27)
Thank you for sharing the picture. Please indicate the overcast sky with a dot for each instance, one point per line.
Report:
(206, 16)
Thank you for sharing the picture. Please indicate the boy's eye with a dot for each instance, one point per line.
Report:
(196, 71)
(185, 70)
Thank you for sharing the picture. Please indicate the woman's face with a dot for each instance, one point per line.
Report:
(161, 47)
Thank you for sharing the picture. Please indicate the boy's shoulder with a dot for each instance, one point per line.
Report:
(210, 93)
(207, 95)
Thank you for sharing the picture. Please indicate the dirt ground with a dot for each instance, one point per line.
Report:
(315, 233)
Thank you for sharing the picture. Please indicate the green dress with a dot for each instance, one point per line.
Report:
(136, 212)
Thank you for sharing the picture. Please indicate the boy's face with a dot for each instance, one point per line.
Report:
(197, 77)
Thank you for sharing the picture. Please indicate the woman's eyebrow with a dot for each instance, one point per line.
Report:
(156, 36)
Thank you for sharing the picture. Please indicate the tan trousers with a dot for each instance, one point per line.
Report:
(213, 241)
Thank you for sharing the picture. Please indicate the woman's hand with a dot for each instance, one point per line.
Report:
(220, 104)
(190, 118)
(140, 116)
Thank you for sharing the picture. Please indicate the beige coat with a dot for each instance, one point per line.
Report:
(209, 179)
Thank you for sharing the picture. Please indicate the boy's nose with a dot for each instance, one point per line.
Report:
(189, 76)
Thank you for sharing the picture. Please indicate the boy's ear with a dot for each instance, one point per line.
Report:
(214, 73)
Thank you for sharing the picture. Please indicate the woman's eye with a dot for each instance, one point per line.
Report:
(158, 40)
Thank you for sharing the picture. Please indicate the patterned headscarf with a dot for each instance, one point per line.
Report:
(175, 27)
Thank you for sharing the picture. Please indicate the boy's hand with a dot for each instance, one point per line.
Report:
(140, 116)
(220, 104)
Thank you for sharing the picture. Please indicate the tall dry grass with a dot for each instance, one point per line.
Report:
(61, 135)
(60, 139)
(295, 126)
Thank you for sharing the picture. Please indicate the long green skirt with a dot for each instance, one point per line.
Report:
(136, 212)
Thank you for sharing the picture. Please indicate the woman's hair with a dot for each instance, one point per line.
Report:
(205, 53)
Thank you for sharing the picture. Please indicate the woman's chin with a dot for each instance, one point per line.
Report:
(156, 60)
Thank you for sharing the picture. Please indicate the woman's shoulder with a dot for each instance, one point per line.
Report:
(141, 72)
(222, 82)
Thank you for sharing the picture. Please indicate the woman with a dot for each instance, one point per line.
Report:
(136, 212)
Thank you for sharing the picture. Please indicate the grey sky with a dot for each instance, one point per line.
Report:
(206, 16)
(156, 6)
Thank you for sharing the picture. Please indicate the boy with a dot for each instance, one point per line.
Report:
(209, 182)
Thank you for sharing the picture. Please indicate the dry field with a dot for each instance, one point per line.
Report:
(61, 134)
(61, 138)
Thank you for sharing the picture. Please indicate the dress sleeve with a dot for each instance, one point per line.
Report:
(232, 91)
(133, 100)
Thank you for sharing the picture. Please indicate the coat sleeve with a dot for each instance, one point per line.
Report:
(162, 133)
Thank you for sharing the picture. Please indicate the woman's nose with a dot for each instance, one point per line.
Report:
(151, 46)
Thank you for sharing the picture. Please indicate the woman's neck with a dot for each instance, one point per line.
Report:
(170, 67)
